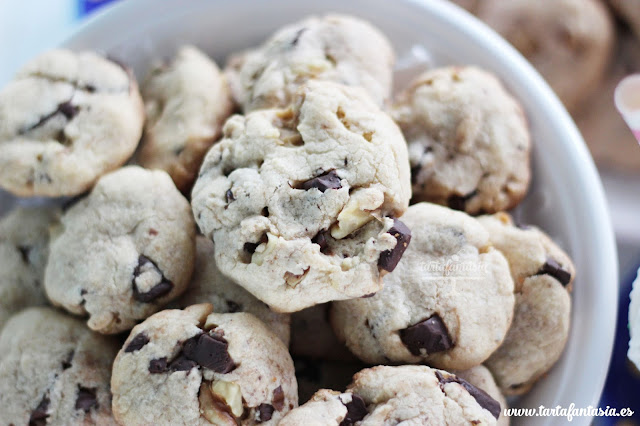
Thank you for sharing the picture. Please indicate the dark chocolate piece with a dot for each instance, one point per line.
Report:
(158, 366)
(209, 351)
(553, 268)
(265, 412)
(157, 291)
(278, 398)
(39, 415)
(482, 398)
(356, 410)
(431, 335)
(86, 399)
(137, 343)
(389, 258)
(459, 202)
(328, 180)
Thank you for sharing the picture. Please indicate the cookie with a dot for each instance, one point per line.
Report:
(210, 286)
(449, 303)
(480, 377)
(303, 199)
(312, 336)
(337, 48)
(469, 144)
(543, 275)
(124, 251)
(557, 36)
(55, 371)
(24, 248)
(186, 102)
(193, 367)
(65, 120)
(608, 137)
(410, 394)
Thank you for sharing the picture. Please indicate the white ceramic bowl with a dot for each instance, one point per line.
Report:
(566, 198)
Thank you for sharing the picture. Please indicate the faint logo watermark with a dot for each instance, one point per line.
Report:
(461, 265)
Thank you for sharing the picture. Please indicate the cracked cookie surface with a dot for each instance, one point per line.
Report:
(410, 394)
(303, 199)
(53, 370)
(468, 140)
(194, 367)
(24, 248)
(186, 102)
(543, 275)
(122, 252)
(338, 48)
(66, 119)
(209, 285)
(449, 303)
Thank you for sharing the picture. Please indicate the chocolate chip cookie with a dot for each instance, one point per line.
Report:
(24, 248)
(186, 101)
(210, 286)
(55, 371)
(480, 377)
(124, 251)
(66, 119)
(543, 275)
(557, 37)
(193, 367)
(337, 48)
(449, 303)
(468, 140)
(407, 394)
(303, 199)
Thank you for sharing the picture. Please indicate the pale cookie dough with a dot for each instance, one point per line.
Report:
(449, 303)
(338, 48)
(480, 377)
(65, 120)
(193, 367)
(608, 137)
(124, 251)
(407, 395)
(468, 140)
(186, 101)
(54, 371)
(24, 248)
(303, 199)
(557, 36)
(543, 275)
(210, 286)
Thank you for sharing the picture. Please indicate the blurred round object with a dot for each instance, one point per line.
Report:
(611, 142)
(557, 37)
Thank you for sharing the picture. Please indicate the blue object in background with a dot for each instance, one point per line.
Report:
(87, 6)
(622, 388)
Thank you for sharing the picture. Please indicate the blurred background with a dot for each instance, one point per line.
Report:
(582, 47)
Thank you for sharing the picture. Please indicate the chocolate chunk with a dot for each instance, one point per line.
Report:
(553, 268)
(322, 240)
(356, 410)
(209, 351)
(68, 110)
(66, 363)
(157, 291)
(459, 202)
(265, 412)
(24, 252)
(39, 415)
(366, 296)
(389, 258)
(137, 343)
(158, 366)
(328, 180)
(86, 399)
(278, 398)
(482, 398)
(229, 196)
(431, 335)
(182, 363)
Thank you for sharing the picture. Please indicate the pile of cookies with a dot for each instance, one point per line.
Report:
(206, 267)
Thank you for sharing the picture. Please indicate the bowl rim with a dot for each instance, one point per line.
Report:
(575, 150)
